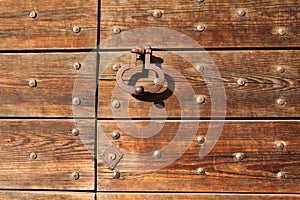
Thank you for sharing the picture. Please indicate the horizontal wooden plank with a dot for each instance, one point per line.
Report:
(264, 167)
(217, 81)
(23, 195)
(58, 154)
(269, 24)
(50, 26)
(190, 196)
(57, 83)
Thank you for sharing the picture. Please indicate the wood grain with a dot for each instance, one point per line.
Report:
(223, 27)
(51, 28)
(191, 196)
(21, 195)
(257, 98)
(59, 154)
(57, 83)
(257, 172)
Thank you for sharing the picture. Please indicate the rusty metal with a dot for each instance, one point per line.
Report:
(111, 155)
(76, 101)
(76, 65)
(239, 156)
(200, 99)
(32, 83)
(33, 155)
(115, 135)
(76, 29)
(200, 27)
(200, 171)
(200, 139)
(32, 14)
(139, 90)
(75, 175)
(75, 131)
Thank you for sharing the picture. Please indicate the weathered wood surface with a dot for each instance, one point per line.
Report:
(257, 172)
(257, 98)
(59, 154)
(192, 196)
(57, 83)
(52, 28)
(223, 26)
(22, 195)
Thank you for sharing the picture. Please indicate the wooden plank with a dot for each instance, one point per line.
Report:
(223, 26)
(27, 195)
(52, 28)
(264, 169)
(264, 85)
(190, 196)
(59, 154)
(57, 83)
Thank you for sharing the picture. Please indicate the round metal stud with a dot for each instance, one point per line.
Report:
(139, 90)
(157, 154)
(280, 101)
(116, 67)
(32, 155)
(116, 30)
(76, 65)
(200, 27)
(76, 101)
(76, 29)
(32, 83)
(239, 156)
(281, 175)
(280, 69)
(157, 13)
(32, 14)
(279, 145)
(241, 81)
(200, 99)
(116, 175)
(115, 104)
(201, 171)
(199, 68)
(200, 139)
(281, 31)
(115, 135)
(241, 12)
(75, 131)
(75, 175)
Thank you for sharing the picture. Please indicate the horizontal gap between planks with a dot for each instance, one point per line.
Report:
(47, 190)
(197, 193)
(48, 51)
(30, 118)
(207, 119)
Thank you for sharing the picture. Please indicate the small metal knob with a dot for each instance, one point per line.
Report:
(116, 175)
(279, 145)
(200, 171)
(157, 154)
(139, 90)
(115, 135)
(200, 139)
(75, 131)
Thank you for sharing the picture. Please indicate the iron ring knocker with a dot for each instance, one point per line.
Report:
(139, 90)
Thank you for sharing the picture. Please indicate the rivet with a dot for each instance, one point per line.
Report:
(239, 156)
(200, 68)
(32, 14)
(115, 103)
(116, 30)
(241, 12)
(116, 175)
(75, 131)
(200, 171)
(76, 65)
(32, 83)
(200, 27)
(157, 154)
(280, 69)
(76, 29)
(279, 145)
(241, 81)
(75, 175)
(280, 101)
(281, 175)
(281, 31)
(33, 155)
(200, 139)
(76, 101)
(200, 99)
(139, 90)
(116, 67)
(157, 13)
(115, 135)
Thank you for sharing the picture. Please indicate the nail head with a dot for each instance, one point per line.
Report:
(239, 156)
(116, 175)
(32, 14)
(281, 31)
(75, 131)
(116, 30)
(200, 27)
(115, 104)
(33, 155)
(75, 175)
(76, 101)
(32, 83)
(157, 13)
(241, 81)
(115, 135)
(76, 29)
(280, 101)
(200, 99)
(200, 171)
(200, 139)
(76, 65)
(157, 154)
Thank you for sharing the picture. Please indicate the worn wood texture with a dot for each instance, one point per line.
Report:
(257, 172)
(191, 196)
(59, 154)
(223, 27)
(52, 28)
(257, 98)
(57, 83)
(22, 195)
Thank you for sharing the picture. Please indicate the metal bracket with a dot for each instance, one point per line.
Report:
(111, 155)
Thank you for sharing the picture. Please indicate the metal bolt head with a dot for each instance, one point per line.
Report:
(116, 30)
(241, 81)
(157, 154)
(280, 175)
(116, 67)
(200, 139)
(200, 68)
(32, 83)
(115, 104)
(75, 175)
(200, 27)
(33, 155)
(241, 12)
(139, 90)
(157, 13)
(116, 175)
(200, 99)
(200, 171)
(280, 101)
(281, 31)
(115, 135)
(76, 101)
(76, 29)
(239, 156)
(32, 14)
(280, 69)
(76, 65)
(75, 131)
(279, 145)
